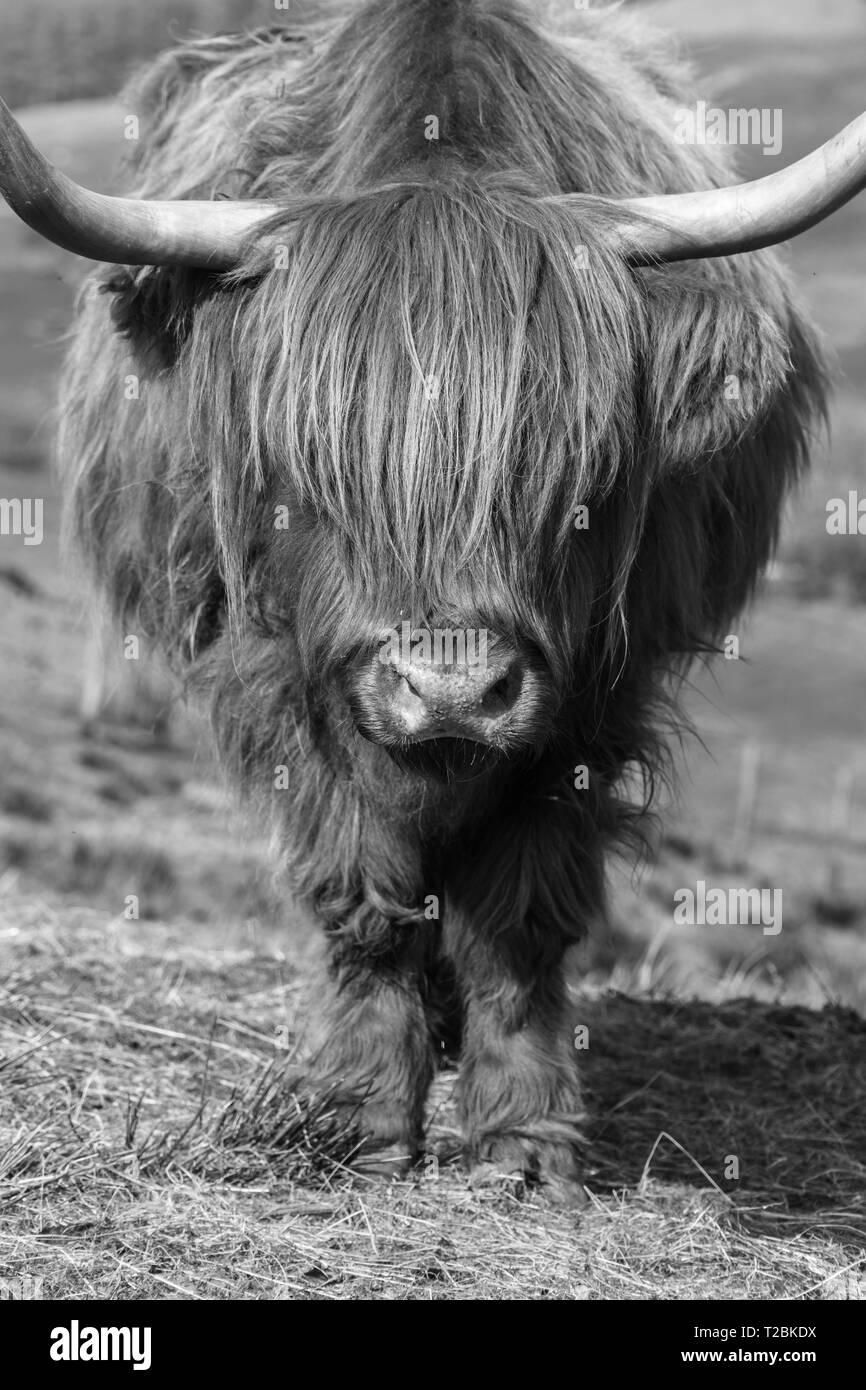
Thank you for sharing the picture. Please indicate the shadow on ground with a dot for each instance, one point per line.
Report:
(695, 1092)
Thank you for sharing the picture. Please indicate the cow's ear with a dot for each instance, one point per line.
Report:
(153, 306)
(719, 358)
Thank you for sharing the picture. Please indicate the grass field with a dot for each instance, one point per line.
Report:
(150, 1144)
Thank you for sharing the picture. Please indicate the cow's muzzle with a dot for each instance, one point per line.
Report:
(489, 698)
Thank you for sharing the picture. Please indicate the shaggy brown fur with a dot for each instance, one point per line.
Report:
(562, 380)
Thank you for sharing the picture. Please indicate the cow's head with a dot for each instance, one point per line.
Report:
(432, 390)
(438, 415)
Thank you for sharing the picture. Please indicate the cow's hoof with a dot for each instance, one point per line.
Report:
(521, 1165)
(387, 1144)
(392, 1162)
(564, 1192)
(493, 1177)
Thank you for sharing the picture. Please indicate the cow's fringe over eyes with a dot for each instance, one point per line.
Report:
(442, 375)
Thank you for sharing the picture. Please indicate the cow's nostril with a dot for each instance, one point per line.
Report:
(498, 694)
(504, 694)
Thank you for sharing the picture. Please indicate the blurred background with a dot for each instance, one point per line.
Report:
(772, 794)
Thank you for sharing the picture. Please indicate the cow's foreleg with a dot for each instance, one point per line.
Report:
(512, 914)
(371, 1041)
(518, 1090)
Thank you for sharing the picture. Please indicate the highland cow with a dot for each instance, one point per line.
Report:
(423, 338)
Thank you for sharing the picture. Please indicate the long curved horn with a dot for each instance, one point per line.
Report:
(748, 216)
(667, 227)
(129, 231)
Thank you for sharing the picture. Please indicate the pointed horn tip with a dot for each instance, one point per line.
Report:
(125, 231)
(748, 216)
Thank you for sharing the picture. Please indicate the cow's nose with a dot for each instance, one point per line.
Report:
(427, 699)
